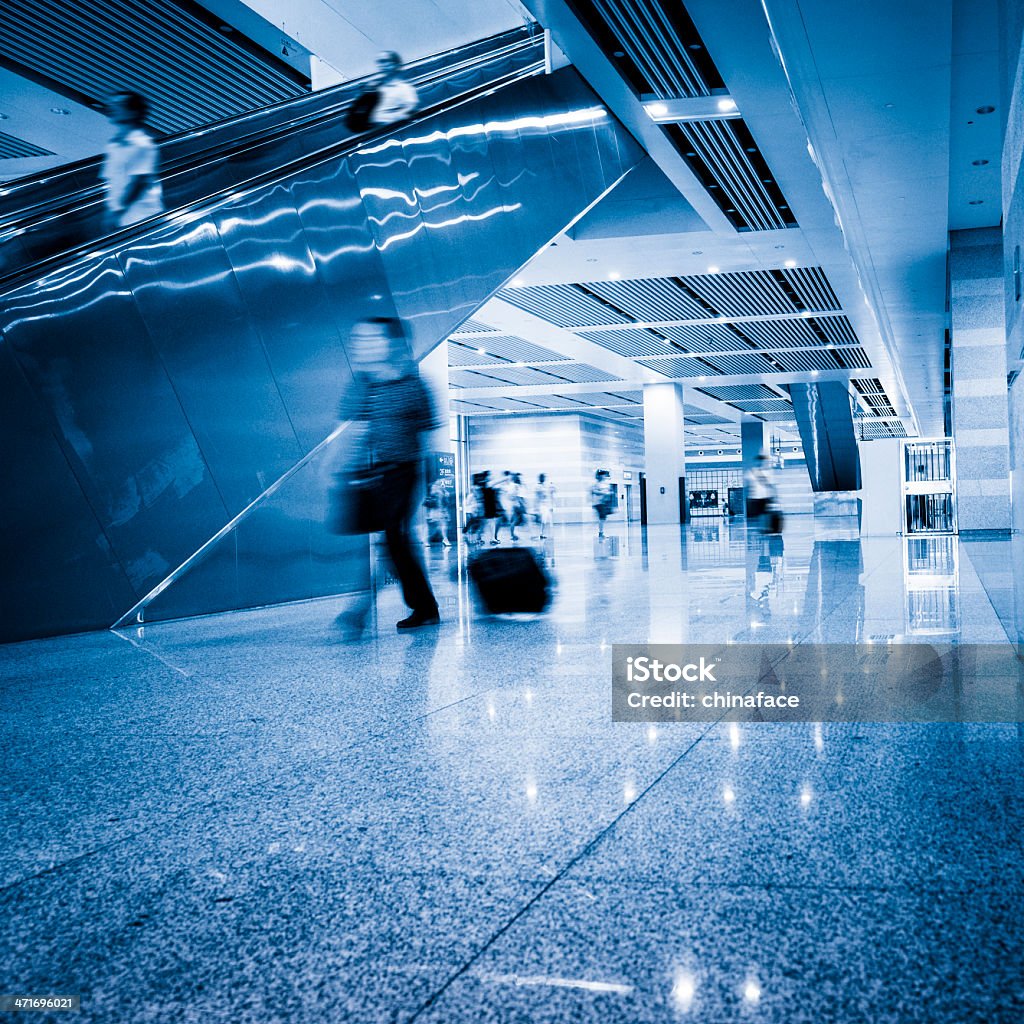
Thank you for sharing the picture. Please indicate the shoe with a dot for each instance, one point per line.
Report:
(418, 619)
(495, 541)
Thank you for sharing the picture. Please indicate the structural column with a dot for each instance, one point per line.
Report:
(664, 453)
(752, 444)
(978, 363)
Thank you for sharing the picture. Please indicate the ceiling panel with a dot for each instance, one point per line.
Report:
(566, 305)
(635, 342)
(171, 51)
(678, 366)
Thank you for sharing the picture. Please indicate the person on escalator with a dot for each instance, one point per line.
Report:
(131, 164)
(388, 98)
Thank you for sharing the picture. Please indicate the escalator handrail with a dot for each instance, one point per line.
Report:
(327, 102)
(202, 205)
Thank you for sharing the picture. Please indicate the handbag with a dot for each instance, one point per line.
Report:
(365, 500)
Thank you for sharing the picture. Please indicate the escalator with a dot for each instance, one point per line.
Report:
(167, 389)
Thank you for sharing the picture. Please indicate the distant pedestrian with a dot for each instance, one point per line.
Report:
(388, 98)
(601, 499)
(544, 504)
(131, 164)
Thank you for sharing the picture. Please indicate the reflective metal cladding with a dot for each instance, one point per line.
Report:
(152, 392)
(824, 415)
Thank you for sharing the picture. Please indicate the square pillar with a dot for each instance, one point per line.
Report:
(978, 363)
(664, 452)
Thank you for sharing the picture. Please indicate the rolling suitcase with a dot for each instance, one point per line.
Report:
(510, 580)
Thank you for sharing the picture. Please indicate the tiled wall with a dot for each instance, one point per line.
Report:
(980, 409)
(1012, 104)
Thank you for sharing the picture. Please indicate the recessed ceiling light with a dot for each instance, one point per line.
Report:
(979, 163)
(806, 313)
(790, 264)
(976, 202)
(712, 270)
(987, 109)
(726, 104)
(658, 109)
(482, 351)
(59, 110)
(613, 275)
(516, 282)
(618, 53)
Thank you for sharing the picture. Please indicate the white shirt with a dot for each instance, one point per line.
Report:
(759, 484)
(128, 157)
(398, 100)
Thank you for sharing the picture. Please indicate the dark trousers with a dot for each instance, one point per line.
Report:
(405, 558)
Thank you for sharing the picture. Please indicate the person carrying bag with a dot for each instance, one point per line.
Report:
(375, 494)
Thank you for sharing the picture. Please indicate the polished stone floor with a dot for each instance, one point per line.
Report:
(243, 818)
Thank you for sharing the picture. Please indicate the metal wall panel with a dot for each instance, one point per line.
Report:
(824, 416)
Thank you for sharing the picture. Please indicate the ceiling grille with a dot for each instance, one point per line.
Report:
(602, 398)
(852, 358)
(703, 419)
(838, 330)
(750, 293)
(657, 49)
(564, 304)
(679, 366)
(727, 161)
(752, 363)
(580, 373)
(12, 148)
(765, 405)
(171, 51)
(460, 355)
(705, 337)
(635, 342)
(793, 362)
(507, 346)
(556, 402)
(781, 333)
(740, 392)
(628, 396)
(662, 295)
(472, 327)
(873, 429)
(812, 287)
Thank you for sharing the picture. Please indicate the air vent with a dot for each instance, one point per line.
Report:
(567, 305)
(705, 337)
(171, 51)
(16, 149)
